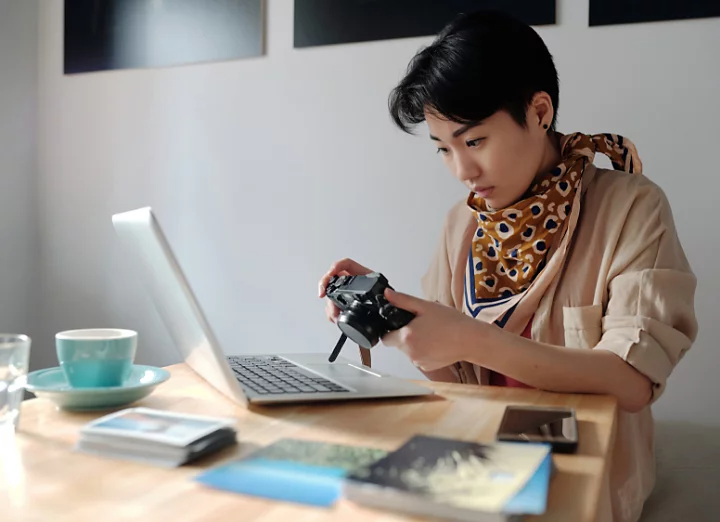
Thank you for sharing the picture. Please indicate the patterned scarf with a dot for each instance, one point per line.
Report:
(510, 246)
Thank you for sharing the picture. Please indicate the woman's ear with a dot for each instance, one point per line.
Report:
(541, 111)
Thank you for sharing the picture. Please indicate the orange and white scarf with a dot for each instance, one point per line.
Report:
(510, 246)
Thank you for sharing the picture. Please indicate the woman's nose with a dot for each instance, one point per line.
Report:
(466, 169)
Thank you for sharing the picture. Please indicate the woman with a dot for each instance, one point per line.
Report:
(553, 274)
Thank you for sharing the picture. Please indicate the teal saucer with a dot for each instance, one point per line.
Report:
(52, 384)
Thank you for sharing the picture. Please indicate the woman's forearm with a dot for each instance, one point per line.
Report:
(559, 369)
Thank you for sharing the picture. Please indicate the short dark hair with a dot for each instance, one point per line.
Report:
(478, 64)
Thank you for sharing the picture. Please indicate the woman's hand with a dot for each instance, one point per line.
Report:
(439, 336)
(342, 267)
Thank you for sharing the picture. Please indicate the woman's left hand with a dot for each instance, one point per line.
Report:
(439, 336)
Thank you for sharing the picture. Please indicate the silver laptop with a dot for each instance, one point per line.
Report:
(244, 378)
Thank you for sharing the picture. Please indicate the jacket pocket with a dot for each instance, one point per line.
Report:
(583, 326)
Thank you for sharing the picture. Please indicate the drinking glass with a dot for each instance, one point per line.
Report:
(14, 357)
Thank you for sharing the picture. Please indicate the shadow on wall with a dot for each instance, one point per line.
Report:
(688, 464)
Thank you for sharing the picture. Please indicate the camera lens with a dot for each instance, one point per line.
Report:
(357, 322)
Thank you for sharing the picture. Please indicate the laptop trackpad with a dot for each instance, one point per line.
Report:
(340, 371)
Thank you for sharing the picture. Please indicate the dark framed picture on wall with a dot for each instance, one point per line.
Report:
(103, 35)
(328, 22)
(613, 12)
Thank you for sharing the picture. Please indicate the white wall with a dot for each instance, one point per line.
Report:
(18, 164)
(264, 171)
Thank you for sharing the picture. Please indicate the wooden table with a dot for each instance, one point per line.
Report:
(42, 479)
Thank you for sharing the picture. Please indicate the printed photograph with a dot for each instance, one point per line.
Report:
(178, 428)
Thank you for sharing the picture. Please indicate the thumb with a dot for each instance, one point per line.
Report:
(405, 301)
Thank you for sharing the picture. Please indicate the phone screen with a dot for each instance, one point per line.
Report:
(557, 426)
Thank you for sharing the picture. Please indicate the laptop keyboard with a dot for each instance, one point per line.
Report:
(274, 375)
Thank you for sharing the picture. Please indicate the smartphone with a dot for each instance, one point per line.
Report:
(556, 426)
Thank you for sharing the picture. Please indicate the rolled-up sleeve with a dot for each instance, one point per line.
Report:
(437, 281)
(650, 318)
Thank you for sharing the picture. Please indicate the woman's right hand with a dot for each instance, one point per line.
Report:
(339, 268)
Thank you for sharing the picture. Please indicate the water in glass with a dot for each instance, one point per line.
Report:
(14, 356)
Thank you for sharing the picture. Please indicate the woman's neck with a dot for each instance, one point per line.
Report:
(550, 158)
(551, 154)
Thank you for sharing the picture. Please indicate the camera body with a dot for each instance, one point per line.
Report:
(365, 315)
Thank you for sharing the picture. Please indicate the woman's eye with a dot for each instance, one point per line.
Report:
(474, 143)
(442, 150)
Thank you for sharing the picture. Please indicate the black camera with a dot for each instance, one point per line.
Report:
(365, 314)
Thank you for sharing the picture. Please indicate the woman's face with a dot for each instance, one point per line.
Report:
(498, 159)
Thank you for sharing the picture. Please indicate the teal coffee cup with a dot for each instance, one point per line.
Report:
(98, 357)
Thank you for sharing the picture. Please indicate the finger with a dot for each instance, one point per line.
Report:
(406, 302)
(351, 266)
(345, 266)
(322, 285)
(324, 280)
(393, 338)
(331, 311)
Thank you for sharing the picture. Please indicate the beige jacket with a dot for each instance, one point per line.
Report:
(626, 287)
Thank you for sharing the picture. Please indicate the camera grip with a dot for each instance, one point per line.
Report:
(396, 317)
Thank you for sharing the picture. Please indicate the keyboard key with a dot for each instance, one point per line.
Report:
(273, 375)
